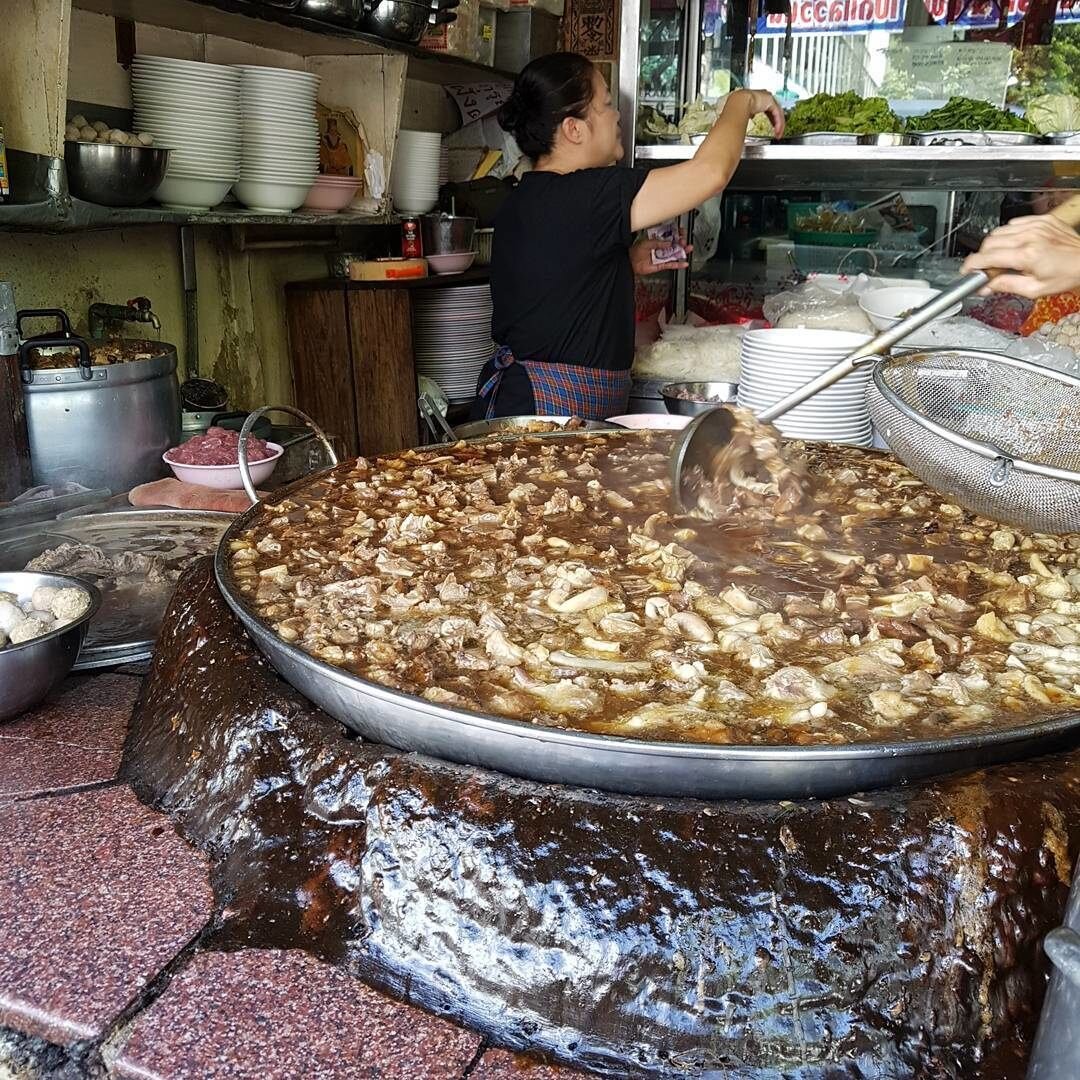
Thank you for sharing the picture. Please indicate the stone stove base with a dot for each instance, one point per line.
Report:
(889, 935)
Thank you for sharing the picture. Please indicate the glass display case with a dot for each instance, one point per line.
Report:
(917, 56)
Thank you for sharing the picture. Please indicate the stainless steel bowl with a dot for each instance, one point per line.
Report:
(396, 20)
(30, 670)
(114, 175)
(445, 234)
(705, 396)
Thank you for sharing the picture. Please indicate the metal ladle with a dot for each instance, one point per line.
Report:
(708, 433)
(703, 438)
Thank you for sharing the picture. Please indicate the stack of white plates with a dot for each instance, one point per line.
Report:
(280, 138)
(776, 362)
(194, 110)
(414, 175)
(444, 164)
(452, 337)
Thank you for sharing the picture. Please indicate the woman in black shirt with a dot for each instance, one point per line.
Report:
(561, 278)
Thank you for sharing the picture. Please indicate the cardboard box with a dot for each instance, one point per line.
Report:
(522, 35)
(552, 7)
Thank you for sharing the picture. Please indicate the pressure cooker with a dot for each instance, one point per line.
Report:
(98, 425)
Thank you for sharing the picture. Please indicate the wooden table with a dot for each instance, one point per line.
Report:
(351, 348)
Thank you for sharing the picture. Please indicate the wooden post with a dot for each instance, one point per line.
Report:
(15, 474)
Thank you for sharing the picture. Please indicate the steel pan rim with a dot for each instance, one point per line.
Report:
(948, 747)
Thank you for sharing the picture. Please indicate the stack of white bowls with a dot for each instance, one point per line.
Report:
(776, 362)
(414, 176)
(280, 138)
(194, 110)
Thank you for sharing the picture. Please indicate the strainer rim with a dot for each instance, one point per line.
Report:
(983, 449)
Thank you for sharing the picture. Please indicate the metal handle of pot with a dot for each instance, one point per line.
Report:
(245, 431)
(44, 313)
(26, 372)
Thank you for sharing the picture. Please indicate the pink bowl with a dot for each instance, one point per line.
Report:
(225, 477)
(334, 196)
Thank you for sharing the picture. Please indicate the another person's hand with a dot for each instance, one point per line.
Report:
(763, 102)
(1041, 257)
(641, 256)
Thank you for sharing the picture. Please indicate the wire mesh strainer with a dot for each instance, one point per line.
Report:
(999, 435)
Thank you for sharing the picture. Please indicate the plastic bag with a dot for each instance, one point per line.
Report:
(812, 307)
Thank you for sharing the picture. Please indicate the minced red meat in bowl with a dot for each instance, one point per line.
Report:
(219, 446)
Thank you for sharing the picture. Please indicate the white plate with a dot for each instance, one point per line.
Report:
(153, 60)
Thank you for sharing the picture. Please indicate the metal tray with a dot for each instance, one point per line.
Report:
(1063, 138)
(630, 766)
(824, 138)
(126, 627)
(974, 138)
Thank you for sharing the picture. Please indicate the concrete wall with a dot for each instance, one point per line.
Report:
(243, 341)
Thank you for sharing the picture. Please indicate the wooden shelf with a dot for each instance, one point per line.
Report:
(478, 276)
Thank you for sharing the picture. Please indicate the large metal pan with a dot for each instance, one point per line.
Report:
(631, 766)
(516, 426)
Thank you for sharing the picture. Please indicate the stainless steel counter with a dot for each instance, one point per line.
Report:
(784, 167)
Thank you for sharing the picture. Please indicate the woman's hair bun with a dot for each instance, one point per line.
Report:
(547, 91)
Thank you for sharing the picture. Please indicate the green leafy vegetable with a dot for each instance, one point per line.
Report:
(967, 114)
(848, 113)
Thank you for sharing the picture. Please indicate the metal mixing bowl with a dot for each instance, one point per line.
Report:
(704, 396)
(30, 670)
(446, 234)
(114, 175)
(396, 20)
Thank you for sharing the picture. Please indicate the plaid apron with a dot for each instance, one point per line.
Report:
(564, 389)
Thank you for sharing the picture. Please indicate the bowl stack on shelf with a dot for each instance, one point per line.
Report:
(193, 109)
(414, 175)
(332, 194)
(280, 130)
(452, 337)
(776, 362)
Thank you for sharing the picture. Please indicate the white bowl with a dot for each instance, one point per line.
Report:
(270, 196)
(886, 307)
(658, 421)
(195, 100)
(266, 103)
(218, 177)
(225, 477)
(192, 192)
(253, 73)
